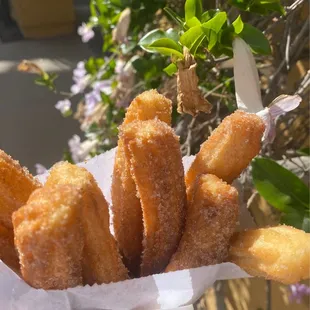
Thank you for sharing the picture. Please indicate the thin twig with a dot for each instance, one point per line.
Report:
(304, 84)
(187, 143)
(217, 87)
(295, 44)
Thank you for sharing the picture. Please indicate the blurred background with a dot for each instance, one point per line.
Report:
(31, 129)
(45, 124)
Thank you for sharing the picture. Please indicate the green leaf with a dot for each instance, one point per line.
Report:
(240, 4)
(193, 8)
(162, 42)
(171, 69)
(166, 46)
(212, 27)
(262, 7)
(280, 187)
(189, 37)
(297, 219)
(238, 25)
(215, 23)
(208, 15)
(265, 7)
(172, 34)
(150, 37)
(179, 20)
(304, 152)
(194, 21)
(256, 39)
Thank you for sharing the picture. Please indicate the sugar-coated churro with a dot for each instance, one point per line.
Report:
(16, 185)
(229, 149)
(49, 238)
(155, 159)
(211, 219)
(101, 260)
(280, 253)
(127, 213)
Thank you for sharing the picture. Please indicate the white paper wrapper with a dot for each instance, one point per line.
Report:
(172, 290)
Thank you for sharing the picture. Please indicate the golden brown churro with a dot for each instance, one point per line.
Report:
(279, 253)
(211, 220)
(127, 213)
(8, 253)
(49, 237)
(154, 154)
(101, 260)
(229, 149)
(16, 185)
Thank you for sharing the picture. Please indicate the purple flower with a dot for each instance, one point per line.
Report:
(86, 32)
(80, 78)
(94, 97)
(298, 291)
(103, 86)
(63, 105)
(40, 169)
(79, 72)
(91, 100)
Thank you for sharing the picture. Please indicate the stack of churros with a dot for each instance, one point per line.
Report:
(57, 235)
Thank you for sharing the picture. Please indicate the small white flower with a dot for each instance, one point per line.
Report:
(248, 93)
(40, 169)
(63, 105)
(86, 32)
(80, 151)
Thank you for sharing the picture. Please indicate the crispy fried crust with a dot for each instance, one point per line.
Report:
(154, 154)
(16, 185)
(229, 149)
(101, 260)
(127, 212)
(49, 238)
(211, 219)
(279, 253)
(8, 253)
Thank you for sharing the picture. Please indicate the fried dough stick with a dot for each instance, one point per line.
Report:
(154, 154)
(7, 250)
(101, 261)
(16, 185)
(211, 219)
(127, 213)
(229, 149)
(49, 237)
(279, 253)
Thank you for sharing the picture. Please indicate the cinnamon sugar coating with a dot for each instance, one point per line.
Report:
(155, 159)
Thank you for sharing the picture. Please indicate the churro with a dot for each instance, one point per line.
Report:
(153, 151)
(8, 253)
(211, 220)
(127, 213)
(16, 185)
(229, 149)
(49, 237)
(101, 262)
(279, 253)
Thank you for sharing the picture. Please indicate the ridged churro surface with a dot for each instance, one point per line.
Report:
(101, 259)
(16, 185)
(280, 253)
(154, 154)
(127, 212)
(49, 238)
(211, 219)
(229, 149)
